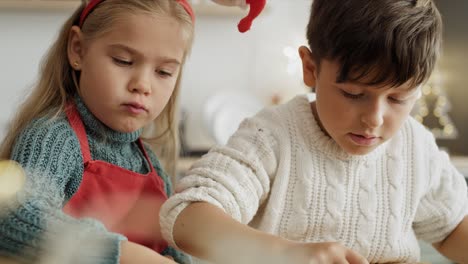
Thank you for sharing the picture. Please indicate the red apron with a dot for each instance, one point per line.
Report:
(125, 202)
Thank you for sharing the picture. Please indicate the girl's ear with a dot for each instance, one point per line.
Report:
(75, 48)
(309, 66)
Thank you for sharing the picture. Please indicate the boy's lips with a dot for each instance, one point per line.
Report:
(364, 140)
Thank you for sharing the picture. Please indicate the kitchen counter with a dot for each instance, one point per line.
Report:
(430, 255)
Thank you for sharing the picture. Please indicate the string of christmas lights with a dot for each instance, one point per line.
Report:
(433, 107)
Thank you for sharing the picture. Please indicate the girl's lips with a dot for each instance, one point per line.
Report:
(363, 140)
(135, 108)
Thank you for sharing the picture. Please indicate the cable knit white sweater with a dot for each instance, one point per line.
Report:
(281, 174)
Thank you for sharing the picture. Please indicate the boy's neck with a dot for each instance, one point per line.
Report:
(313, 108)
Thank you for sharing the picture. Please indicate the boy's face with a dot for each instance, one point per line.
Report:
(358, 117)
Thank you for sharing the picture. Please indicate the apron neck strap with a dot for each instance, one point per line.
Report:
(78, 126)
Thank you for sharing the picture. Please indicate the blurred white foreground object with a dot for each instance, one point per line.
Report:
(12, 179)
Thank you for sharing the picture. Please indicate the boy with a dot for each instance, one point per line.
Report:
(347, 178)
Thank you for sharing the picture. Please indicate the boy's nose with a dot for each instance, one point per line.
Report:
(373, 116)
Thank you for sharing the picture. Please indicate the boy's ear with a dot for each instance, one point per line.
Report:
(309, 66)
(75, 48)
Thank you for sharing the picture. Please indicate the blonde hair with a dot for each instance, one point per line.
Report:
(57, 83)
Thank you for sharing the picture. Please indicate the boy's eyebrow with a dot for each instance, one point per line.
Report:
(401, 89)
(134, 51)
(408, 88)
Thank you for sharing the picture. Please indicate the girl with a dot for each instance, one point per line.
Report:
(348, 177)
(112, 74)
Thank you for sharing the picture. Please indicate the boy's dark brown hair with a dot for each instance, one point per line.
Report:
(377, 42)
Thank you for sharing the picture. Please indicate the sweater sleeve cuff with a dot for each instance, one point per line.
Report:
(73, 246)
(439, 229)
(113, 250)
(168, 216)
(104, 250)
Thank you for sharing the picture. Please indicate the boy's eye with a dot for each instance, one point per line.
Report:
(350, 95)
(122, 62)
(396, 100)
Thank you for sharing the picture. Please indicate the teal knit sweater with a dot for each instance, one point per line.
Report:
(49, 151)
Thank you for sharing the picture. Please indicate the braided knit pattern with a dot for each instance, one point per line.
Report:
(281, 174)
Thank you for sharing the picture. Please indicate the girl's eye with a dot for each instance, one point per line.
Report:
(164, 73)
(351, 96)
(122, 62)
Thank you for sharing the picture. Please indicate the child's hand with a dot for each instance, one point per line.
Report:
(314, 253)
(132, 253)
(206, 232)
(276, 250)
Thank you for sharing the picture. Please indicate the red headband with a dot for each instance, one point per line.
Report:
(93, 3)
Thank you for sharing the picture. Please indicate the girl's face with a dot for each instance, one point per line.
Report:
(129, 73)
(357, 117)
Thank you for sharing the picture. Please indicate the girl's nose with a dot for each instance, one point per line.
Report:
(140, 84)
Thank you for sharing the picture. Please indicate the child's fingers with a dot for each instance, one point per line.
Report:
(354, 258)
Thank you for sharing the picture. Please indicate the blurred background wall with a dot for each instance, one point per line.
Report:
(262, 63)
(454, 70)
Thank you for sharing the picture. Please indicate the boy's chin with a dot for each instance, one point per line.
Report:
(359, 150)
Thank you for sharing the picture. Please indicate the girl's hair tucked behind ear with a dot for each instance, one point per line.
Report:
(58, 83)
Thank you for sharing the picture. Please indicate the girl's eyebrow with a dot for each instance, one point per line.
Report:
(130, 50)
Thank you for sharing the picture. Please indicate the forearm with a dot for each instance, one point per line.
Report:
(132, 253)
(454, 246)
(205, 231)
